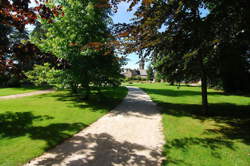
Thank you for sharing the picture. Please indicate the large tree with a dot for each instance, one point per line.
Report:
(79, 37)
(193, 39)
(230, 21)
(184, 42)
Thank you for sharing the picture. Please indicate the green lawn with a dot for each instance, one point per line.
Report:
(13, 91)
(219, 138)
(31, 125)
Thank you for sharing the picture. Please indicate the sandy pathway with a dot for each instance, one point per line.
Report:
(39, 92)
(130, 135)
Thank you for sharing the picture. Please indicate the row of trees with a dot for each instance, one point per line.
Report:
(75, 35)
(182, 41)
(191, 40)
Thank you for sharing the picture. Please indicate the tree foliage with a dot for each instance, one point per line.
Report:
(150, 72)
(44, 75)
(79, 37)
(17, 56)
(192, 40)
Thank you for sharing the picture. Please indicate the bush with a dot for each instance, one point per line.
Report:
(44, 75)
(158, 77)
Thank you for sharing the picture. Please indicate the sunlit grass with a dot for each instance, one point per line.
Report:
(31, 125)
(219, 137)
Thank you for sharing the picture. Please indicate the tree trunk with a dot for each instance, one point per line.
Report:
(87, 88)
(204, 90)
(99, 91)
(73, 87)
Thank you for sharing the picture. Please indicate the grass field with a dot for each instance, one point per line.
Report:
(13, 91)
(221, 137)
(31, 125)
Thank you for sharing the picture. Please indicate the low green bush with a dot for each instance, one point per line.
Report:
(44, 75)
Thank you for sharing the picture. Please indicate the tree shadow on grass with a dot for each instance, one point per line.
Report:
(236, 118)
(22, 124)
(15, 124)
(99, 150)
(182, 93)
(173, 93)
(107, 100)
(184, 144)
(232, 123)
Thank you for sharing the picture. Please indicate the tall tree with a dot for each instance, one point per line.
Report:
(185, 37)
(80, 38)
(188, 44)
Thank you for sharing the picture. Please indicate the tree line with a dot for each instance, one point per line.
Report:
(192, 40)
(67, 48)
(187, 40)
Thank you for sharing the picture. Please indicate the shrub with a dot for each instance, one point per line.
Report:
(44, 75)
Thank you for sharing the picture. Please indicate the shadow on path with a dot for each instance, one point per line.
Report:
(97, 150)
(129, 135)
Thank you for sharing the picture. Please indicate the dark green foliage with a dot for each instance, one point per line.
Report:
(230, 23)
(195, 40)
(159, 77)
(18, 56)
(234, 69)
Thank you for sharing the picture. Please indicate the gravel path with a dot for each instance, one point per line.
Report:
(39, 92)
(131, 135)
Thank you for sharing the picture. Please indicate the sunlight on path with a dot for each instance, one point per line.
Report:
(130, 135)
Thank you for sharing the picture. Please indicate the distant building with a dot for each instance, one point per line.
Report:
(130, 73)
(136, 72)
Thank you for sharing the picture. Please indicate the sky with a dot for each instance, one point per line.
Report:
(124, 16)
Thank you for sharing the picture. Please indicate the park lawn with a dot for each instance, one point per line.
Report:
(31, 125)
(14, 91)
(220, 137)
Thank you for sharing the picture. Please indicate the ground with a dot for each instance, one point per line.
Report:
(31, 125)
(130, 135)
(219, 137)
